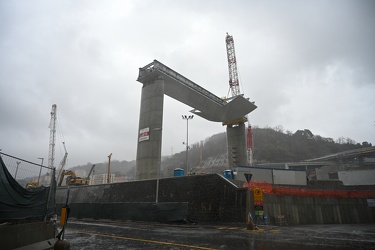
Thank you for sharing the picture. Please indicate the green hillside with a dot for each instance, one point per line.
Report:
(271, 145)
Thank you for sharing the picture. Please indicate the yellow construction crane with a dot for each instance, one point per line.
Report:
(62, 163)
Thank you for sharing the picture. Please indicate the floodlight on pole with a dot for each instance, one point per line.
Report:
(187, 118)
(40, 171)
(15, 175)
(158, 169)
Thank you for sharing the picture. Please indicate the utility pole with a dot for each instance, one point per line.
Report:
(40, 171)
(109, 168)
(15, 175)
(187, 118)
(158, 170)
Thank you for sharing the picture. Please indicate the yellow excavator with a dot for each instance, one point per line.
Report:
(73, 180)
(71, 175)
(32, 185)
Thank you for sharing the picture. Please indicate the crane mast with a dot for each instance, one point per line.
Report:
(52, 137)
(62, 163)
(232, 66)
(235, 89)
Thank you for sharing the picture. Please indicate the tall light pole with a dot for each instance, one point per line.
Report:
(158, 170)
(15, 175)
(40, 171)
(109, 168)
(187, 118)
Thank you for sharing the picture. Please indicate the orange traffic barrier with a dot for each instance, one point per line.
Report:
(268, 188)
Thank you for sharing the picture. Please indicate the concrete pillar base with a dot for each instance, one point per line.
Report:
(150, 130)
(236, 140)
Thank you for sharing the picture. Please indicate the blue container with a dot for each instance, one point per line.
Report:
(228, 174)
(178, 172)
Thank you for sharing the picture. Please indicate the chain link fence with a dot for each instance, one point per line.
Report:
(27, 174)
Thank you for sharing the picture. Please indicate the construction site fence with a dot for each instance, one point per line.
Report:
(24, 171)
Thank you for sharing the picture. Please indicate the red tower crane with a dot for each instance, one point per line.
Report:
(232, 66)
(234, 85)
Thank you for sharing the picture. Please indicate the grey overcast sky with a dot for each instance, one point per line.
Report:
(306, 64)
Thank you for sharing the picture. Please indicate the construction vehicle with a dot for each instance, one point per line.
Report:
(32, 185)
(76, 181)
(62, 166)
(91, 170)
(73, 180)
(69, 173)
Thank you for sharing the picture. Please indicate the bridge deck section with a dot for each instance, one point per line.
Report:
(205, 103)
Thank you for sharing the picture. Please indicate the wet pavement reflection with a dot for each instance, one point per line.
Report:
(132, 235)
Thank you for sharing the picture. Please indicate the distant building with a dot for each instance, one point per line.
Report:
(119, 179)
(101, 179)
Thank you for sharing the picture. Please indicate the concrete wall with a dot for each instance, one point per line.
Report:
(264, 174)
(358, 177)
(27, 234)
(324, 172)
(273, 176)
(289, 177)
(212, 198)
(134, 211)
(296, 210)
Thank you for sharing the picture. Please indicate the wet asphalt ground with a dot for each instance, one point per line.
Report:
(99, 234)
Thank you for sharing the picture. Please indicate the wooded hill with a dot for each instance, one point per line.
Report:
(271, 145)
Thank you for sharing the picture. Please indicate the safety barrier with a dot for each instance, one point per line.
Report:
(268, 188)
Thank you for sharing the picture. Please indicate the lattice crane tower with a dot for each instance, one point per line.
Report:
(235, 89)
(232, 66)
(52, 137)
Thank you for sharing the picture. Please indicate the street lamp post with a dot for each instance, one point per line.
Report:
(158, 171)
(109, 168)
(15, 175)
(40, 171)
(187, 118)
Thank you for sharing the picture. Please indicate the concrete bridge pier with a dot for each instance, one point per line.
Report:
(236, 141)
(150, 129)
(157, 80)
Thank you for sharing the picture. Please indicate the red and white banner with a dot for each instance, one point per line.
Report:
(144, 134)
